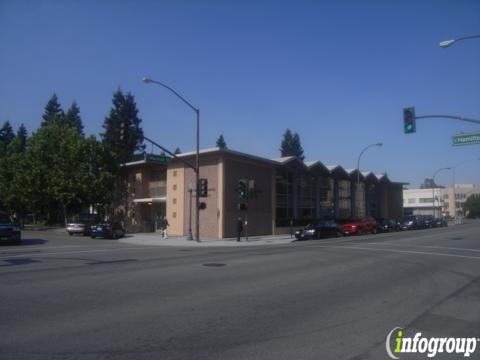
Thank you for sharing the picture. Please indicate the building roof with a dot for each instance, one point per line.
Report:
(291, 160)
(226, 151)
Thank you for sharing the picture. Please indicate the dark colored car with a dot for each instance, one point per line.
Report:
(440, 222)
(107, 229)
(10, 232)
(387, 225)
(359, 226)
(413, 222)
(324, 228)
(81, 224)
(429, 221)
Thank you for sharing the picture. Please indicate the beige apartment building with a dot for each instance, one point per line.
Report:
(283, 191)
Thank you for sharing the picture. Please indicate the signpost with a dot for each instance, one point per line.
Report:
(466, 139)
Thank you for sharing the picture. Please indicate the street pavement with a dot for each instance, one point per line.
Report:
(79, 298)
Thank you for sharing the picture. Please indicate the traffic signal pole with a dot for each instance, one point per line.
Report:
(449, 117)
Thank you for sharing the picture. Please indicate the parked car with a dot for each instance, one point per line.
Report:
(107, 229)
(359, 226)
(323, 229)
(81, 224)
(413, 222)
(387, 225)
(440, 222)
(428, 221)
(10, 232)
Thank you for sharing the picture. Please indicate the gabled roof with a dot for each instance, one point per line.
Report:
(291, 161)
(313, 165)
(338, 170)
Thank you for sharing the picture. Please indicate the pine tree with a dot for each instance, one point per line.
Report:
(297, 148)
(19, 143)
(6, 133)
(73, 119)
(22, 136)
(53, 113)
(291, 145)
(177, 151)
(221, 142)
(123, 134)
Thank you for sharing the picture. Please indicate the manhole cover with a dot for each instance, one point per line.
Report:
(214, 264)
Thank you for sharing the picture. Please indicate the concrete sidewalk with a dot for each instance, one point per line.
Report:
(157, 240)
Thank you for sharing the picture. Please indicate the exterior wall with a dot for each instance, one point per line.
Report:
(420, 201)
(209, 217)
(177, 192)
(260, 208)
(395, 208)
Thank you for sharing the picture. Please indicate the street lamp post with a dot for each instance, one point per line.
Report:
(447, 43)
(358, 175)
(433, 187)
(197, 160)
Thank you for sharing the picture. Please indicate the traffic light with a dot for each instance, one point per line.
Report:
(409, 125)
(203, 187)
(242, 188)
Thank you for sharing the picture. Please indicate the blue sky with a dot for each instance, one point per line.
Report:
(337, 72)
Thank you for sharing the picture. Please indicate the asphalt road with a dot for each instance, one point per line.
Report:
(78, 298)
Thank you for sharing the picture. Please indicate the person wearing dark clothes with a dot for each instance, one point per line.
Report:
(239, 228)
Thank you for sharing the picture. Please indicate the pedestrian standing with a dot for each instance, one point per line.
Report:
(239, 228)
(165, 227)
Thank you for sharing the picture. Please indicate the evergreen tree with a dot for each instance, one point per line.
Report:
(177, 151)
(221, 142)
(297, 148)
(291, 145)
(6, 133)
(19, 144)
(73, 119)
(53, 113)
(123, 134)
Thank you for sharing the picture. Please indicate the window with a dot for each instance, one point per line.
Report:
(412, 201)
(445, 196)
(174, 173)
(174, 201)
(174, 187)
(174, 215)
(425, 200)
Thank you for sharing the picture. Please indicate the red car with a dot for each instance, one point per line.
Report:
(359, 226)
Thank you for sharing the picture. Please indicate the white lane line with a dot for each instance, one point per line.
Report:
(33, 248)
(400, 251)
(75, 252)
(427, 247)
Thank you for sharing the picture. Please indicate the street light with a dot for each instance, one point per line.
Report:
(454, 193)
(433, 187)
(197, 162)
(358, 174)
(447, 43)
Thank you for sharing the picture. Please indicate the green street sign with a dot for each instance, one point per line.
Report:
(466, 139)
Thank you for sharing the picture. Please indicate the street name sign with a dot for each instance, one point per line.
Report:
(466, 139)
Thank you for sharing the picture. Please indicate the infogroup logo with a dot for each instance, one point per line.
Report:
(398, 343)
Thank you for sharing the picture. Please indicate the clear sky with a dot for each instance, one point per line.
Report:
(337, 72)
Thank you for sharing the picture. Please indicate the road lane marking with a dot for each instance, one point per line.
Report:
(75, 252)
(400, 251)
(427, 247)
